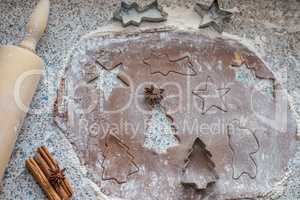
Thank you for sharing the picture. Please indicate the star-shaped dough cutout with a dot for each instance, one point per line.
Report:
(213, 17)
(211, 96)
(164, 65)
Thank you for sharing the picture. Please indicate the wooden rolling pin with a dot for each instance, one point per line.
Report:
(20, 71)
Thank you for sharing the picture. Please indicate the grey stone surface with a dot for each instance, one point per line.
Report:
(271, 27)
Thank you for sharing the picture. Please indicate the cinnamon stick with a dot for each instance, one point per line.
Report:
(46, 170)
(41, 179)
(50, 170)
(45, 152)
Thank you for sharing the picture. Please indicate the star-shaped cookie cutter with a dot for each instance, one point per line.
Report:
(212, 16)
(126, 8)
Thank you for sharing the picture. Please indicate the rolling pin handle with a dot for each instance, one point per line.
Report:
(36, 25)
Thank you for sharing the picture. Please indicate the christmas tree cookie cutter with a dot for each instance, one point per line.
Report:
(133, 14)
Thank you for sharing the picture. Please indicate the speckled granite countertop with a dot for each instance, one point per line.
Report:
(272, 27)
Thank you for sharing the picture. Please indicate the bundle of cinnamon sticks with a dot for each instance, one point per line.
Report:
(48, 175)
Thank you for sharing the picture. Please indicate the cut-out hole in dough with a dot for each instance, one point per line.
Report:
(159, 135)
(247, 76)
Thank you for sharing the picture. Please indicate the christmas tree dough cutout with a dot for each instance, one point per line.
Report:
(118, 163)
